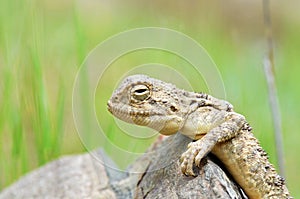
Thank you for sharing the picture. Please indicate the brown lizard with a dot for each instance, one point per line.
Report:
(209, 121)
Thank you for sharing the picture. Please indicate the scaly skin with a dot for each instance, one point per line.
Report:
(211, 122)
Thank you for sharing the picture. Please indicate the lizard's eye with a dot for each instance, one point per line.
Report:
(140, 92)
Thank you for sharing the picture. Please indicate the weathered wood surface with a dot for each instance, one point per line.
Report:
(158, 176)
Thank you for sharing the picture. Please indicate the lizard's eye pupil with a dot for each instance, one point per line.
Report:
(140, 92)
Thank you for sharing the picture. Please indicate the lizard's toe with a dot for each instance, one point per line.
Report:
(186, 168)
(182, 158)
(189, 170)
(198, 159)
(183, 166)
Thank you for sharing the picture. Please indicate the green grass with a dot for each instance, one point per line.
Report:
(43, 43)
(31, 130)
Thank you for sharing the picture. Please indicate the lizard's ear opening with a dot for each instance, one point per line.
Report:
(173, 108)
(139, 93)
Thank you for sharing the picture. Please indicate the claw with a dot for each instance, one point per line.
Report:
(190, 145)
(189, 171)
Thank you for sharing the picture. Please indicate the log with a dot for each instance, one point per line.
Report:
(156, 174)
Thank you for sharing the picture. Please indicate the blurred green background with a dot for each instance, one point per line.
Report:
(43, 43)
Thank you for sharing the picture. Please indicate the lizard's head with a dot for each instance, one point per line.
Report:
(148, 102)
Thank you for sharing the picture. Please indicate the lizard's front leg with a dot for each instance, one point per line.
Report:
(198, 149)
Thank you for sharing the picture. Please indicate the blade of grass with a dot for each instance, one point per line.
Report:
(270, 77)
(59, 130)
(42, 121)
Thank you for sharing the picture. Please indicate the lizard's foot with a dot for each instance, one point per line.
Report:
(193, 154)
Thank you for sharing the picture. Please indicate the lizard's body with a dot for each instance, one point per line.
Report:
(211, 122)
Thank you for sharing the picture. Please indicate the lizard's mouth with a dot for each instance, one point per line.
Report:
(109, 107)
(133, 115)
(128, 114)
(117, 111)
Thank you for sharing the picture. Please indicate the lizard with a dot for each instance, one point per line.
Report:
(211, 123)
